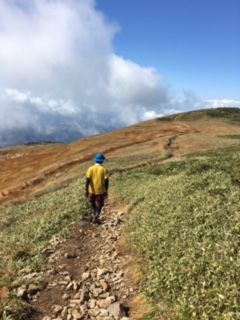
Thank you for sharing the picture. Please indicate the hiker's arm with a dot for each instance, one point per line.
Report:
(87, 182)
(106, 184)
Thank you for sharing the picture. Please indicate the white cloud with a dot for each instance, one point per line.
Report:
(13, 114)
(222, 103)
(15, 95)
(58, 69)
(53, 43)
(132, 84)
(150, 115)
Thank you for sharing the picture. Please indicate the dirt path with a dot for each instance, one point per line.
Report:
(85, 275)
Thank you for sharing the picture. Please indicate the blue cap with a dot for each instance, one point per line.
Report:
(99, 158)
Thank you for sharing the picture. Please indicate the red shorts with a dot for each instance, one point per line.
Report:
(98, 199)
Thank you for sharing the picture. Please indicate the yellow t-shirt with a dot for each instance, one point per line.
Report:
(97, 174)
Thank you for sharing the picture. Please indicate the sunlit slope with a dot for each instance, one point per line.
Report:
(29, 168)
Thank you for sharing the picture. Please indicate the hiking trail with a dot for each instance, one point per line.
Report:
(86, 275)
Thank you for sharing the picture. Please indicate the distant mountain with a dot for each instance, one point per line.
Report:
(55, 132)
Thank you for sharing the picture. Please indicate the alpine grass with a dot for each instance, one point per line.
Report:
(185, 223)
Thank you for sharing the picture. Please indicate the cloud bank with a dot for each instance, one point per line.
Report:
(60, 79)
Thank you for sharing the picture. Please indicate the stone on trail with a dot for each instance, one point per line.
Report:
(22, 293)
(115, 309)
(33, 289)
(101, 273)
(84, 295)
(85, 276)
(76, 314)
(105, 303)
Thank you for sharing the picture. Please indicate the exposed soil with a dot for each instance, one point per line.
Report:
(80, 244)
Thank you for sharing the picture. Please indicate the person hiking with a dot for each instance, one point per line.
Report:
(97, 180)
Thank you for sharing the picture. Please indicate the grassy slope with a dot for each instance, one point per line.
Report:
(188, 212)
(195, 198)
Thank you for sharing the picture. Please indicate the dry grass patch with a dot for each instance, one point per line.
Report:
(140, 307)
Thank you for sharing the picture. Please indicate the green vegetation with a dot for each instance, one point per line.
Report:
(122, 164)
(165, 119)
(188, 212)
(231, 115)
(223, 112)
(183, 221)
(230, 136)
(42, 143)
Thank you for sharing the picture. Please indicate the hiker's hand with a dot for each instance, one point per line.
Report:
(86, 193)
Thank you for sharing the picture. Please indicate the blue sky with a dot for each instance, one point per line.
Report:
(194, 44)
(96, 65)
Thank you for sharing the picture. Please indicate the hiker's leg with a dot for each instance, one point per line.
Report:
(92, 202)
(98, 210)
(96, 215)
(93, 206)
(93, 210)
(99, 205)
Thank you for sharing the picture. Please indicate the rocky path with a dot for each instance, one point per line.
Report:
(85, 275)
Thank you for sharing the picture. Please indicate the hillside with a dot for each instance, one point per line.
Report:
(167, 247)
(25, 169)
